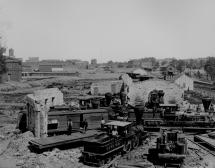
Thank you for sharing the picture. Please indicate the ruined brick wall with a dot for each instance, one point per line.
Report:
(140, 91)
(38, 105)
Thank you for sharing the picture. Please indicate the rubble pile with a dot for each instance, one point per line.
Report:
(7, 130)
(194, 158)
(138, 157)
(62, 158)
(19, 144)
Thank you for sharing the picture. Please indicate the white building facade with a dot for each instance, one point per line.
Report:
(185, 82)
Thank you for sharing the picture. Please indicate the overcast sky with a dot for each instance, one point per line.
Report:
(116, 30)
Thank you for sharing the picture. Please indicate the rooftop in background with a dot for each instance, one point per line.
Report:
(12, 59)
(118, 123)
(33, 59)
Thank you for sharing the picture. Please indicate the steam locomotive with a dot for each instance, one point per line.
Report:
(156, 114)
(103, 148)
(171, 147)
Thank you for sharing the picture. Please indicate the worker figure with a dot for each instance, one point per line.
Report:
(102, 123)
(211, 108)
(164, 136)
(69, 126)
(198, 109)
(125, 132)
(85, 125)
(114, 132)
(81, 125)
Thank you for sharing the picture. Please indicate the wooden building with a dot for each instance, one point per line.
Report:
(57, 119)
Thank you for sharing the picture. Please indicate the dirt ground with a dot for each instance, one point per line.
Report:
(14, 152)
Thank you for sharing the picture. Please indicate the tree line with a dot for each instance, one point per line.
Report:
(3, 68)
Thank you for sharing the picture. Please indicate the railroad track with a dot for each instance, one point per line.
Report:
(168, 165)
(202, 147)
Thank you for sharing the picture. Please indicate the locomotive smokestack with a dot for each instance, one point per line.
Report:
(206, 101)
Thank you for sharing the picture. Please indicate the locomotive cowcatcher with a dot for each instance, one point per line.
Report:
(103, 148)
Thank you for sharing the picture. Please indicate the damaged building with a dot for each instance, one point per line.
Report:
(38, 105)
(47, 114)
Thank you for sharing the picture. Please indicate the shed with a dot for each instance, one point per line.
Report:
(185, 82)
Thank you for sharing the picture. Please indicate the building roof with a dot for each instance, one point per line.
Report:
(12, 59)
(75, 112)
(86, 97)
(180, 75)
(118, 123)
(140, 71)
(168, 105)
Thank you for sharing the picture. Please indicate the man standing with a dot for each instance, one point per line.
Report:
(69, 126)
(102, 123)
(85, 124)
(114, 132)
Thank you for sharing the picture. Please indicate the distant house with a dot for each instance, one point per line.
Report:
(147, 66)
(27, 68)
(31, 64)
(185, 82)
(167, 69)
(188, 83)
(47, 66)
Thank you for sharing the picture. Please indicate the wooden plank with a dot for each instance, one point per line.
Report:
(63, 138)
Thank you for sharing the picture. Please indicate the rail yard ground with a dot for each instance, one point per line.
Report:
(14, 151)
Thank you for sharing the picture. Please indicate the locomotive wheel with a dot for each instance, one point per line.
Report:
(135, 142)
(127, 146)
